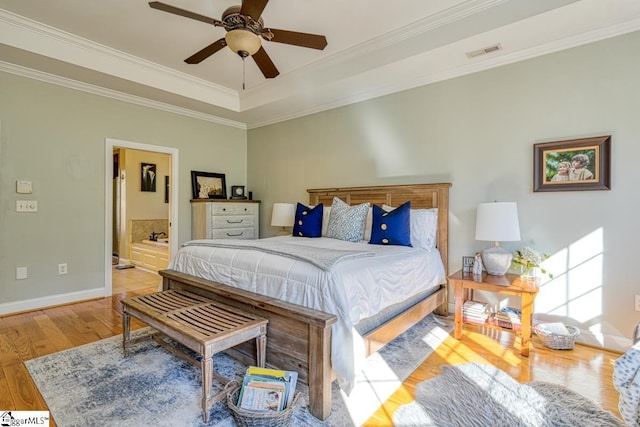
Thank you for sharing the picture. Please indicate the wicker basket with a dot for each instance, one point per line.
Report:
(556, 341)
(246, 418)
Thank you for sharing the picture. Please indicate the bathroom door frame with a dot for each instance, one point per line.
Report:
(110, 144)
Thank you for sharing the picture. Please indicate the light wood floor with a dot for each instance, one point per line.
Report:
(29, 335)
(585, 370)
(133, 279)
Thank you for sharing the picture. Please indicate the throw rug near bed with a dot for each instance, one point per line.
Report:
(95, 385)
(477, 395)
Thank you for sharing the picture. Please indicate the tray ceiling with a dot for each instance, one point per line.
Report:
(127, 50)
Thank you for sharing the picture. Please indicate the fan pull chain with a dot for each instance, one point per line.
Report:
(243, 73)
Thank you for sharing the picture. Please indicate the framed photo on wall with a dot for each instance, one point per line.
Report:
(166, 189)
(208, 185)
(148, 177)
(572, 165)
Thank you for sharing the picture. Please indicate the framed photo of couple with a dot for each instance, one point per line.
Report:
(572, 165)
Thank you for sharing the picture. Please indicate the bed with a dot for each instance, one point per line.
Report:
(299, 337)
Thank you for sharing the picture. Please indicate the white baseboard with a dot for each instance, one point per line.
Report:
(50, 301)
(609, 342)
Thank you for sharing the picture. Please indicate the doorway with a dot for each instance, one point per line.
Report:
(113, 215)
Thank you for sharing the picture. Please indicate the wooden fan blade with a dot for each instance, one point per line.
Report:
(185, 13)
(313, 41)
(253, 8)
(200, 56)
(265, 64)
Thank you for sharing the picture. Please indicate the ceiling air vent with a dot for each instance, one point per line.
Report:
(484, 51)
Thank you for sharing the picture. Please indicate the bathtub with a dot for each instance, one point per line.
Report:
(150, 255)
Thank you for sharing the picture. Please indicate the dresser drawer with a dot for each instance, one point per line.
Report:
(225, 219)
(232, 221)
(233, 208)
(233, 233)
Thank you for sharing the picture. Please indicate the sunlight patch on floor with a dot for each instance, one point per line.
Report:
(378, 382)
(456, 351)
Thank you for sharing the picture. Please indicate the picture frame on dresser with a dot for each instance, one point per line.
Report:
(572, 165)
(208, 185)
(467, 264)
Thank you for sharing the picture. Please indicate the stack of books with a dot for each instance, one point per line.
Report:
(509, 318)
(475, 312)
(267, 390)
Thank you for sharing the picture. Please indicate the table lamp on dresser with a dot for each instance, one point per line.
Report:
(282, 216)
(497, 222)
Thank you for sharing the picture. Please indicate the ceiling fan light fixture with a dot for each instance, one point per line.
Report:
(243, 42)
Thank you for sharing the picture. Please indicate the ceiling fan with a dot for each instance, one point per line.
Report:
(244, 28)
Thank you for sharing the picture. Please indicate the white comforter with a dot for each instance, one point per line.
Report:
(353, 289)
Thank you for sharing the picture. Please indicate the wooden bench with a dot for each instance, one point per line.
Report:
(204, 326)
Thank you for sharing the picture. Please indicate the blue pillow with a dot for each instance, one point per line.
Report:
(393, 227)
(308, 221)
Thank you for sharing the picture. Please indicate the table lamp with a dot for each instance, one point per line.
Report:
(282, 216)
(497, 222)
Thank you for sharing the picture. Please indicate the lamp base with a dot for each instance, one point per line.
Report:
(283, 232)
(496, 260)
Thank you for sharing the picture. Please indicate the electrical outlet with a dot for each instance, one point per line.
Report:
(62, 268)
(637, 302)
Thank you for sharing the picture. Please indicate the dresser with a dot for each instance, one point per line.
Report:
(225, 219)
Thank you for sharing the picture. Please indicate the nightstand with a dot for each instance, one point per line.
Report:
(509, 284)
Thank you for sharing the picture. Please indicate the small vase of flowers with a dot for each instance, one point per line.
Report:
(529, 260)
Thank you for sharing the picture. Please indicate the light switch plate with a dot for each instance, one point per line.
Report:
(24, 187)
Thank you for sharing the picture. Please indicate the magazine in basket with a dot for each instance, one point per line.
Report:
(267, 390)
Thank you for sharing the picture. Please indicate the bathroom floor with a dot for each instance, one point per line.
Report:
(132, 279)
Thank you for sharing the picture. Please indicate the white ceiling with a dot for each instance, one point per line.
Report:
(127, 50)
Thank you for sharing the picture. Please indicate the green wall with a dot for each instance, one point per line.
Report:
(477, 132)
(55, 137)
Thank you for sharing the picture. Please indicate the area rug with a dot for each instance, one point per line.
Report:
(473, 394)
(95, 385)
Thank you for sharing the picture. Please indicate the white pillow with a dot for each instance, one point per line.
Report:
(424, 227)
(326, 212)
(368, 223)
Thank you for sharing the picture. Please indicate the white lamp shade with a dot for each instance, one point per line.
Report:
(283, 215)
(497, 222)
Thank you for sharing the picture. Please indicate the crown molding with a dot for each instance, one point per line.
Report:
(319, 84)
(113, 94)
(32, 36)
(409, 82)
(322, 72)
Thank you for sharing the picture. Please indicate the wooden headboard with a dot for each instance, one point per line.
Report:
(420, 195)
